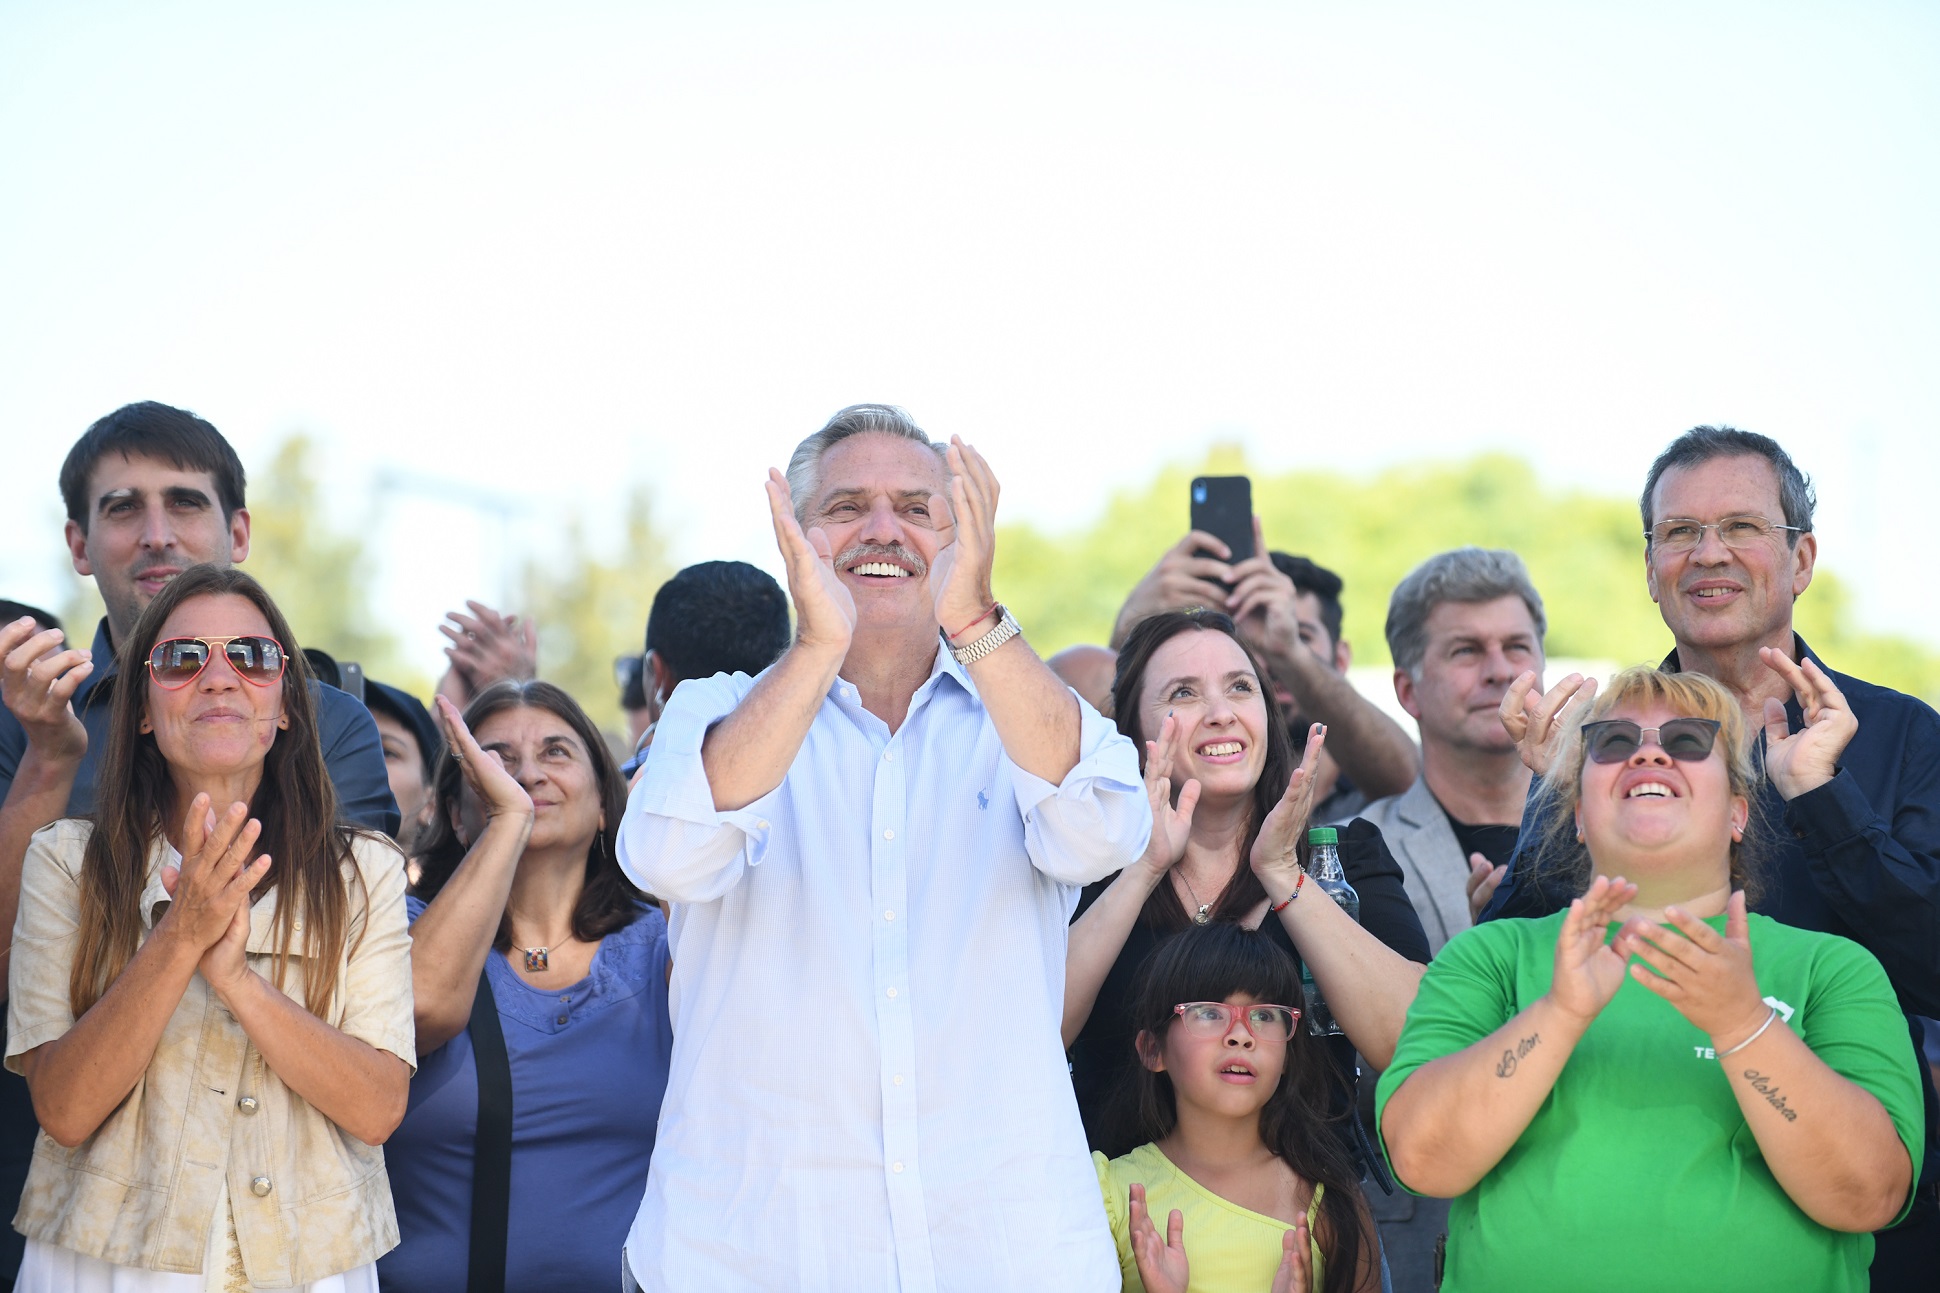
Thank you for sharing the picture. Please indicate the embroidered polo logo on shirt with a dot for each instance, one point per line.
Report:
(983, 800)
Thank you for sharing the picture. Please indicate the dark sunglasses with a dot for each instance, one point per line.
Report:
(1613, 740)
(177, 662)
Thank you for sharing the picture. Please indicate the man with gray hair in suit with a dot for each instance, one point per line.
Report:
(1461, 627)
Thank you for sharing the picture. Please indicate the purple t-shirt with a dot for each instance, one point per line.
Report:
(589, 1066)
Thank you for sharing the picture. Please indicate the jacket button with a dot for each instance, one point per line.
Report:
(247, 1104)
(259, 1186)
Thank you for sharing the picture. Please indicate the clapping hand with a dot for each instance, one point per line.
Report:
(1296, 1270)
(1161, 1261)
(1276, 848)
(824, 607)
(38, 681)
(1171, 826)
(1588, 970)
(1808, 758)
(1536, 719)
(1706, 975)
(498, 792)
(966, 527)
(209, 892)
(487, 647)
(1483, 880)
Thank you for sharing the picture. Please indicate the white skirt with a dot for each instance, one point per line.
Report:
(49, 1268)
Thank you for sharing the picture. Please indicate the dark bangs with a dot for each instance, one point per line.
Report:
(1210, 963)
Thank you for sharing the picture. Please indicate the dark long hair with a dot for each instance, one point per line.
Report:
(308, 844)
(1243, 892)
(1210, 963)
(609, 901)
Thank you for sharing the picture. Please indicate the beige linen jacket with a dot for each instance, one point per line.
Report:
(309, 1199)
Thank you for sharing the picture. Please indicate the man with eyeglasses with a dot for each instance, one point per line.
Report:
(1728, 549)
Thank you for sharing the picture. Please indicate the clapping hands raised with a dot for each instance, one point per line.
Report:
(1276, 848)
(825, 612)
(210, 891)
(1536, 719)
(1171, 826)
(1588, 970)
(1808, 758)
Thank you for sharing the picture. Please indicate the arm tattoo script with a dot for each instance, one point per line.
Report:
(1511, 1058)
(1763, 1085)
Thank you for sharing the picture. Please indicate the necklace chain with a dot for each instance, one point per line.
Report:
(1204, 913)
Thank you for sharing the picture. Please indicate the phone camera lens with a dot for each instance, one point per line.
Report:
(1198, 493)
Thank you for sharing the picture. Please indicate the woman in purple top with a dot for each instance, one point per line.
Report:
(520, 882)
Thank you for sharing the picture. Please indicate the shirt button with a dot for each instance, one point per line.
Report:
(896, 1167)
(892, 993)
(247, 1104)
(888, 756)
(761, 825)
(889, 915)
(889, 835)
(259, 1186)
(562, 1019)
(898, 1079)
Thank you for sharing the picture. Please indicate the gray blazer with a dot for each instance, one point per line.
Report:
(1432, 864)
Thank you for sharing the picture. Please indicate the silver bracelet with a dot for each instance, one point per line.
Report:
(1769, 1019)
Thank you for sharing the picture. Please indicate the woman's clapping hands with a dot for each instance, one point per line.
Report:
(1706, 975)
(1588, 970)
(209, 892)
(1276, 849)
(1171, 826)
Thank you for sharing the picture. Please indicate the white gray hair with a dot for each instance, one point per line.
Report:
(1465, 575)
(805, 465)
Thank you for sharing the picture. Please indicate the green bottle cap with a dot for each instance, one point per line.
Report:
(1323, 835)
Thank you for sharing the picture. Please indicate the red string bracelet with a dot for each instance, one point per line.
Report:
(1282, 906)
(984, 615)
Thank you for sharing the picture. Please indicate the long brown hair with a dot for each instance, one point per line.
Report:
(608, 901)
(308, 844)
(1243, 892)
(1211, 963)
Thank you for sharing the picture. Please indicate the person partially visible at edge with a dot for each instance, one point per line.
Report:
(1728, 549)
(1679, 1086)
(519, 881)
(411, 746)
(1238, 1184)
(1288, 609)
(871, 853)
(212, 998)
(1230, 811)
(150, 491)
(713, 617)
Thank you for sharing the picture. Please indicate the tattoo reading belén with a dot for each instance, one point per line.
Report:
(1511, 1058)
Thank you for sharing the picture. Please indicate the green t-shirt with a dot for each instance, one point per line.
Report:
(1638, 1170)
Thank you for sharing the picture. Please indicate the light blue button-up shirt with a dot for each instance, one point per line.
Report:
(868, 1090)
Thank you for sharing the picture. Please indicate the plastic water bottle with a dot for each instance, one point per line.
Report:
(1324, 869)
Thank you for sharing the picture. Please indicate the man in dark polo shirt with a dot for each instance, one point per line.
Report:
(150, 491)
(1728, 549)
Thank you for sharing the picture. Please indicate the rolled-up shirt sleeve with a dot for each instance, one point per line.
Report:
(673, 842)
(1097, 820)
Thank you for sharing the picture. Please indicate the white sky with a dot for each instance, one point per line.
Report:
(550, 252)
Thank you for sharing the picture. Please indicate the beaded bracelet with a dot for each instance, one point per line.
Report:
(1282, 906)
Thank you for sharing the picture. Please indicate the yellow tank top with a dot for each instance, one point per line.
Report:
(1229, 1249)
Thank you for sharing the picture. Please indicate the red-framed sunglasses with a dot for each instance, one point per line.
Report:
(177, 662)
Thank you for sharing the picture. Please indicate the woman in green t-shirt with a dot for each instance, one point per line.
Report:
(1681, 1093)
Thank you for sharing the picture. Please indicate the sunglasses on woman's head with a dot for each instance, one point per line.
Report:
(177, 662)
(1613, 740)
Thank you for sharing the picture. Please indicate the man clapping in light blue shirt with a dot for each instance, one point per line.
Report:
(872, 851)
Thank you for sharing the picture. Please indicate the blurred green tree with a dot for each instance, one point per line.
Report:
(318, 574)
(1584, 551)
(591, 608)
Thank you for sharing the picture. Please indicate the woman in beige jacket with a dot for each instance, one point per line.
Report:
(210, 987)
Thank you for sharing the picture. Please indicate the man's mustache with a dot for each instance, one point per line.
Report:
(895, 552)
